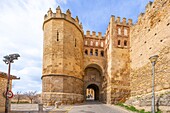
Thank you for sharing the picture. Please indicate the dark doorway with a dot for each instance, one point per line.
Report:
(92, 92)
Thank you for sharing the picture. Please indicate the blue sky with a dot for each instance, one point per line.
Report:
(21, 30)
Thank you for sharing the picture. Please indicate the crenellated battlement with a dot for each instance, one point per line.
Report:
(148, 6)
(93, 35)
(59, 15)
(119, 21)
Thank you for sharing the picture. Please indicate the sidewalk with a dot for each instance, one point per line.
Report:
(61, 109)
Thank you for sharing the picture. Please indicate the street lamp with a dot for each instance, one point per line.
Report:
(8, 59)
(153, 60)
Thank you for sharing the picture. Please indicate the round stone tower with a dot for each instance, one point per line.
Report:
(62, 58)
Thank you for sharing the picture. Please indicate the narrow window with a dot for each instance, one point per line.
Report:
(101, 44)
(86, 42)
(91, 52)
(86, 52)
(96, 52)
(125, 31)
(91, 43)
(96, 43)
(125, 43)
(118, 42)
(119, 31)
(75, 42)
(102, 53)
(57, 36)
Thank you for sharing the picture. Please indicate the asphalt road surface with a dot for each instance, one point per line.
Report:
(96, 107)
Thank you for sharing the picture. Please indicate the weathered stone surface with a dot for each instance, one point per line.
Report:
(117, 63)
(151, 36)
(162, 98)
(3, 85)
(90, 59)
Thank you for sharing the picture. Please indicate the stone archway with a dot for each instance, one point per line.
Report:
(93, 92)
(93, 81)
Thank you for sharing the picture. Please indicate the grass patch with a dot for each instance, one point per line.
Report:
(132, 108)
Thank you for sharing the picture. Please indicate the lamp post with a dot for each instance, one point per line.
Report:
(8, 59)
(153, 60)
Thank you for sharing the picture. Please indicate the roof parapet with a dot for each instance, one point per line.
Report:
(130, 22)
(148, 6)
(87, 33)
(93, 34)
(49, 12)
(67, 16)
(124, 21)
(112, 19)
(77, 19)
(68, 13)
(99, 34)
(140, 16)
(58, 11)
(118, 20)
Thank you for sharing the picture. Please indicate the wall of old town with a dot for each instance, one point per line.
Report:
(150, 36)
(120, 58)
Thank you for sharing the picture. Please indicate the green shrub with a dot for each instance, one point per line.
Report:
(142, 111)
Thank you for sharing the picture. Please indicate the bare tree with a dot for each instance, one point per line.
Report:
(31, 95)
(18, 96)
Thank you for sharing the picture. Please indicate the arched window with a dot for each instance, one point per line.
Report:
(96, 52)
(91, 43)
(91, 52)
(57, 36)
(125, 43)
(119, 31)
(102, 53)
(118, 42)
(86, 52)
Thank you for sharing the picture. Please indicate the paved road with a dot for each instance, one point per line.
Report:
(96, 107)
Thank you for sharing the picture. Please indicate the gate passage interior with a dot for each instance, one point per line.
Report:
(92, 82)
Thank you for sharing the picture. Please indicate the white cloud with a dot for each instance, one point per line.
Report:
(21, 32)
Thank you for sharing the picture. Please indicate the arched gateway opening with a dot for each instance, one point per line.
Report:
(93, 82)
(92, 92)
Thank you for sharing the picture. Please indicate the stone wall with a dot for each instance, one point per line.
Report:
(66, 89)
(117, 57)
(120, 81)
(150, 36)
(3, 82)
(62, 58)
(3, 85)
(124, 68)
